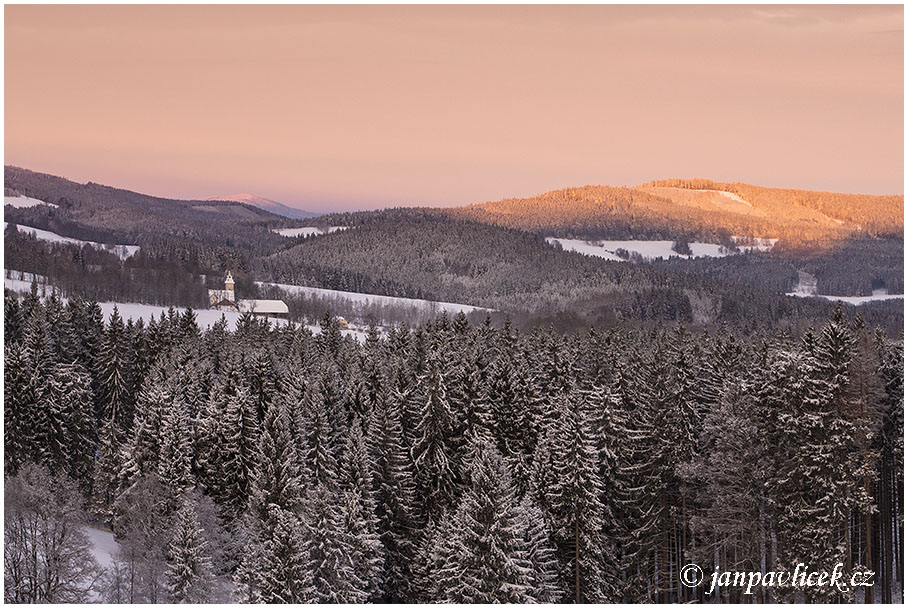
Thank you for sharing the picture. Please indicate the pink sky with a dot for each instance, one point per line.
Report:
(342, 107)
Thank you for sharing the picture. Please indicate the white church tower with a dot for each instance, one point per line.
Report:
(223, 299)
(228, 286)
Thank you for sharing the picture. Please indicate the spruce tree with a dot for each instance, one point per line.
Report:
(395, 498)
(276, 567)
(337, 578)
(277, 477)
(189, 575)
(575, 510)
(433, 451)
(483, 557)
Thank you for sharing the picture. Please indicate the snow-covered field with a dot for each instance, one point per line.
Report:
(121, 251)
(307, 230)
(853, 300)
(21, 282)
(369, 299)
(656, 250)
(204, 317)
(650, 250)
(807, 288)
(730, 195)
(23, 201)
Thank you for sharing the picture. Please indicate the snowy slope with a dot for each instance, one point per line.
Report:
(104, 547)
(368, 298)
(22, 202)
(204, 317)
(651, 250)
(121, 251)
(729, 195)
(307, 230)
(21, 282)
(853, 300)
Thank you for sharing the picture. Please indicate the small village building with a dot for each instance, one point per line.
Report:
(225, 300)
(264, 308)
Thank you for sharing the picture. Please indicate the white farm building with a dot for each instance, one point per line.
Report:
(225, 299)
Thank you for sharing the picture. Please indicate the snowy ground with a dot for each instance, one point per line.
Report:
(103, 544)
(121, 251)
(204, 317)
(21, 282)
(730, 195)
(307, 231)
(650, 250)
(23, 201)
(807, 288)
(368, 298)
(853, 300)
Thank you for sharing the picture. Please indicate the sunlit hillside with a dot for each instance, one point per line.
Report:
(711, 211)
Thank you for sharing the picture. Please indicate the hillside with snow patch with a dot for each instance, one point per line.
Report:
(366, 299)
(648, 250)
(121, 251)
(24, 202)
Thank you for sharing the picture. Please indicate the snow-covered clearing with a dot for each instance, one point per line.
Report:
(730, 195)
(205, 317)
(21, 282)
(121, 251)
(104, 547)
(366, 299)
(307, 230)
(649, 250)
(22, 202)
(807, 288)
(853, 300)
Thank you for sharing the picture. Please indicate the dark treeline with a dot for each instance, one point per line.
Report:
(857, 267)
(92, 273)
(848, 268)
(450, 462)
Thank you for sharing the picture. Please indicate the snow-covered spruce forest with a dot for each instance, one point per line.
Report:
(450, 462)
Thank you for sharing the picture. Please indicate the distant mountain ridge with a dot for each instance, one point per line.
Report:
(267, 204)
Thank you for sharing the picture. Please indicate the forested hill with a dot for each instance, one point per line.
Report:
(201, 236)
(424, 254)
(97, 212)
(483, 256)
(701, 209)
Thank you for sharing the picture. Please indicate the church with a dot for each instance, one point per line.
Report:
(225, 300)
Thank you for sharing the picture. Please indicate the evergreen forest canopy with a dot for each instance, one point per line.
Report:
(447, 462)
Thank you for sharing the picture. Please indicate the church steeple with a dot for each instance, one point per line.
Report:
(228, 285)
